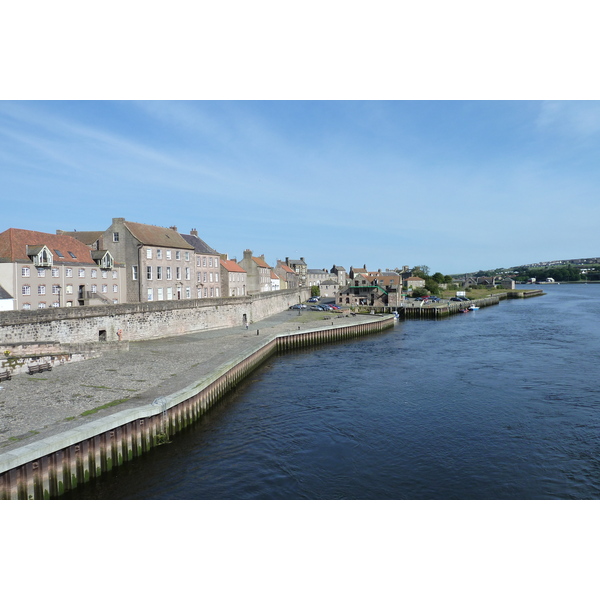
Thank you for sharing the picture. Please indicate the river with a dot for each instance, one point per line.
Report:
(500, 403)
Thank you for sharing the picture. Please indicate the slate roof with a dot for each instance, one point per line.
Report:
(200, 246)
(14, 247)
(88, 238)
(4, 295)
(152, 235)
(231, 265)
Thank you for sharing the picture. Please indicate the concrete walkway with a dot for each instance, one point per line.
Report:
(33, 407)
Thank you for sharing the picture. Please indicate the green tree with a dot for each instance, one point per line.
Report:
(315, 290)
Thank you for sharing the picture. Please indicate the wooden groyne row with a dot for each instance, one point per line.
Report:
(47, 469)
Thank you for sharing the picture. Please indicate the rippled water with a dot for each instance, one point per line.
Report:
(500, 403)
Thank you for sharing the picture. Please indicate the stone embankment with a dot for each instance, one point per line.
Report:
(60, 428)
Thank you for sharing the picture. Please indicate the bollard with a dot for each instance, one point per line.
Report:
(257, 332)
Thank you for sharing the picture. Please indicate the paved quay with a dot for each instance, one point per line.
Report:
(33, 407)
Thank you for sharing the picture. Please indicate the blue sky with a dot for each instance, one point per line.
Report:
(455, 185)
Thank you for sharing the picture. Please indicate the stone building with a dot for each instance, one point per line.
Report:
(341, 274)
(258, 272)
(208, 266)
(44, 270)
(300, 268)
(233, 278)
(159, 263)
(287, 276)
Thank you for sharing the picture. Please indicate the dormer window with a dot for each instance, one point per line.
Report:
(103, 259)
(40, 255)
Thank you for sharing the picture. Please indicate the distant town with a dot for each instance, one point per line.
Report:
(131, 262)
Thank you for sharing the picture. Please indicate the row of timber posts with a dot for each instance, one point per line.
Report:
(50, 476)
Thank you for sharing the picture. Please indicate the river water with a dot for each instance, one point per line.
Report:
(500, 403)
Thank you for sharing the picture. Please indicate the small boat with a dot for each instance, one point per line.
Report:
(473, 307)
(463, 310)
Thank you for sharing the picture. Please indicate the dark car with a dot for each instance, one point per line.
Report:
(298, 307)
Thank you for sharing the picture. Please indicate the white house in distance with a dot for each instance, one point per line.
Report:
(7, 302)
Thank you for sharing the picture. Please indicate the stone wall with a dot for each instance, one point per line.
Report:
(86, 324)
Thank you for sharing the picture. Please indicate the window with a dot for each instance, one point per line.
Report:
(71, 254)
(104, 274)
(104, 288)
(168, 252)
(56, 289)
(94, 288)
(42, 305)
(197, 261)
(178, 272)
(169, 293)
(206, 292)
(115, 236)
(187, 273)
(114, 274)
(25, 271)
(26, 306)
(55, 305)
(26, 290)
(41, 290)
(150, 295)
(216, 278)
(199, 276)
(94, 273)
(199, 293)
(187, 256)
(69, 288)
(68, 272)
(204, 278)
(134, 272)
(158, 253)
(169, 276)
(211, 276)
(41, 272)
(81, 272)
(188, 292)
(177, 255)
(210, 261)
(115, 288)
(148, 252)
(212, 292)
(149, 272)
(158, 272)
(204, 261)
(59, 253)
(55, 272)
(217, 292)
(159, 294)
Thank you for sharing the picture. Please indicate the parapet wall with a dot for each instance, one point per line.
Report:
(148, 320)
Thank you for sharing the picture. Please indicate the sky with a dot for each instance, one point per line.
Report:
(455, 185)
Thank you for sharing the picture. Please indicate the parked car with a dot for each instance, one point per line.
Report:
(316, 308)
(314, 299)
(298, 307)
(325, 307)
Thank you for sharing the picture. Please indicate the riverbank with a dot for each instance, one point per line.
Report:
(83, 400)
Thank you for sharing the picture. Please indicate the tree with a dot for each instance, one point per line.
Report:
(315, 290)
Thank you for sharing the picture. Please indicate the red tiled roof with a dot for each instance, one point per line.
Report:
(231, 265)
(14, 242)
(260, 262)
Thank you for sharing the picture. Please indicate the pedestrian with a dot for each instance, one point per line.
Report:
(120, 334)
